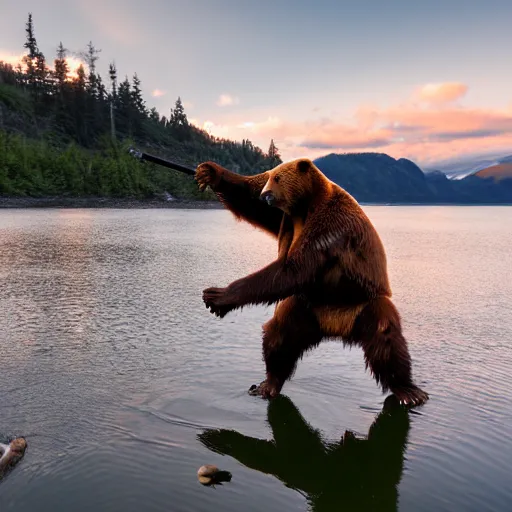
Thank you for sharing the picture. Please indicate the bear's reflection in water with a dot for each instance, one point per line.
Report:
(350, 474)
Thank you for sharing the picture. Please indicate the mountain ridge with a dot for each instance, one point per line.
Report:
(380, 178)
(464, 167)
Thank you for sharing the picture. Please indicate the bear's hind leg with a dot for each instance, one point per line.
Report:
(379, 331)
(292, 331)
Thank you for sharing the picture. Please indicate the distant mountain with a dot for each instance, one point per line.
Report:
(499, 172)
(376, 177)
(379, 178)
(461, 168)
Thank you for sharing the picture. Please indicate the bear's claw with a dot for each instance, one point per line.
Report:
(412, 396)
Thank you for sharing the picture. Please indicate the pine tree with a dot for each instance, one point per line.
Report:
(61, 68)
(178, 116)
(273, 154)
(90, 56)
(124, 106)
(102, 90)
(37, 72)
(139, 107)
(63, 120)
(112, 72)
(154, 115)
(93, 113)
(138, 100)
(79, 104)
(178, 122)
(33, 51)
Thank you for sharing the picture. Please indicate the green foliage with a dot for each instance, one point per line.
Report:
(62, 135)
(15, 99)
(37, 168)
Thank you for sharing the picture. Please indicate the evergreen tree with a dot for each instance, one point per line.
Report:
(124, 108)
(178, 122)
(112, 71)
(137, 99)
(154, 115)
(33, 52)
(90, 56)
(63, 120)
(102, 90)
(79, 104)
(273, 154)
(178, 117)
(138, 106)
(37, 72)
(61, 68)
(94, 112)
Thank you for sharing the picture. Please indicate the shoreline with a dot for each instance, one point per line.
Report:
(127, 203)
(106, 202)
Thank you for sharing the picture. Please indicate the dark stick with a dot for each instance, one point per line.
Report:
(160, 161)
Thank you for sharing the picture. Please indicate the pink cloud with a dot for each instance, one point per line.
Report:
(217, 130)
(157, 93)
(419, 134)
(441, 93)
(226, 100)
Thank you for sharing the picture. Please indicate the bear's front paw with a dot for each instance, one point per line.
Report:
(266, 389)
(217, 301)
(208, 174)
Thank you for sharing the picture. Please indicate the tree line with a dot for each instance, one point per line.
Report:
(63, 133)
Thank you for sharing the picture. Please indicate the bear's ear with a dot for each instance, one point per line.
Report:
(303, 165)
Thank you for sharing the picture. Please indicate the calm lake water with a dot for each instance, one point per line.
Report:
(124, 384)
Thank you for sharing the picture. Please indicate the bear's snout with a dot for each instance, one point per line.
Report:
(269, 197)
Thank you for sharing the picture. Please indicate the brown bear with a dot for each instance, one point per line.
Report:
(329, 280)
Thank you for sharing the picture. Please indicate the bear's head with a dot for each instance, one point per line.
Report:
(290, 184)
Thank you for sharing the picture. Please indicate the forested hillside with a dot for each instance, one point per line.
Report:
(64, 133)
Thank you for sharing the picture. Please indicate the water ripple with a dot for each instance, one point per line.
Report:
(113, 369)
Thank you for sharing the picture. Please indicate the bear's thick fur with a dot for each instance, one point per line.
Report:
(329, 280)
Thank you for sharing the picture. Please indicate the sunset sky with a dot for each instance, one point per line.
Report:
(423, 80)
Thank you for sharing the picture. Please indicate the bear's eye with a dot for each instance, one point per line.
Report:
(276, 179)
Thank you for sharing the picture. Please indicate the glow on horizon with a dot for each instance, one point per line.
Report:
(73, 63)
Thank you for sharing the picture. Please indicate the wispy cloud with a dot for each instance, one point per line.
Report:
(158, 93)
(218, 130)
(441, 93)
(226, 100)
